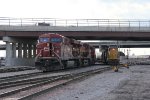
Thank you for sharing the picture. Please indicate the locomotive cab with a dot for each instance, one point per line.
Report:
(49, 46)
(113, 56)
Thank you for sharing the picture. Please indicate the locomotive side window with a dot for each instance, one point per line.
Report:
(56, 40)
(43, 39)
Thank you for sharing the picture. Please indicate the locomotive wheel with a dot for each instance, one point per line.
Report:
(116, 70)
(81, 63)
(89, 62)
(44, 69)
(77, 63)
(65, 64)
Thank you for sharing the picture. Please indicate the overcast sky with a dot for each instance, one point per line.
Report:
(76, 9)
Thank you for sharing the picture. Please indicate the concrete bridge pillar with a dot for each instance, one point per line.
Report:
(29, 51)
(8, 53)
(19, 50)
(14, 50)
(26, 51)
(8, 50)
(34, 51)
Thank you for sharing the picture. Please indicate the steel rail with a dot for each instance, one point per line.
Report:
(9, 84)
(16, 77)
(12, 92)
(28, 75)
(5, 70)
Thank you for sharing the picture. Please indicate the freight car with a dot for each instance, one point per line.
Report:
(56, 52)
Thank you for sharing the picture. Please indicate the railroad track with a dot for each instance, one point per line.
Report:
(5, 70)
(17, 77)
(28, 75)
(33, 87)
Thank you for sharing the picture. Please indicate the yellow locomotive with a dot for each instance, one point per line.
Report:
(113, 57)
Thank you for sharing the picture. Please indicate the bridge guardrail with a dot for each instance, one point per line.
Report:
(74, 22)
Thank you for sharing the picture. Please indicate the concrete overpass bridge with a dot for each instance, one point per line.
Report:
(89, 29)
(25, 31)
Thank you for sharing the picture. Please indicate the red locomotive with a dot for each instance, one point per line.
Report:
(56, 52)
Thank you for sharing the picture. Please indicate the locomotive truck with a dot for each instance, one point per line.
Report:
(55, 52)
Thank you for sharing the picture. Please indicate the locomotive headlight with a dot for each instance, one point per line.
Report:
(113, 49)
(52, 55)
(57, 51)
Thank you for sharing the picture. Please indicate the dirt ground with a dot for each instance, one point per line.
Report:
(136, 88)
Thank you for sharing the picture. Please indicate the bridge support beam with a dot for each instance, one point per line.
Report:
(25, 56)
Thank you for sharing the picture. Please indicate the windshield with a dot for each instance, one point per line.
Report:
(43, 39)
(56, 39)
